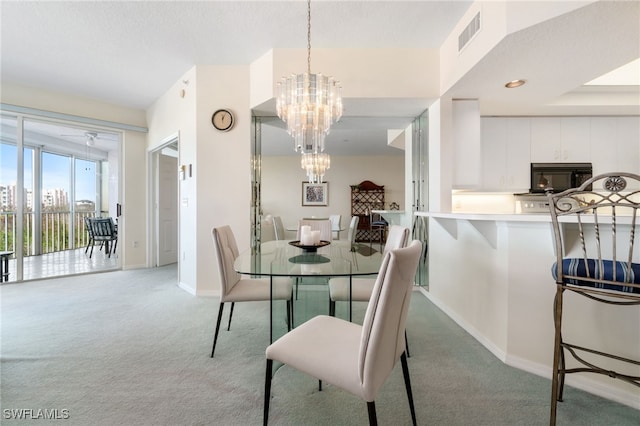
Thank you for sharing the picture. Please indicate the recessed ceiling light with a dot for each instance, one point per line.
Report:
(515, 83)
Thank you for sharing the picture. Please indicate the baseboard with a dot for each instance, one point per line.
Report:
(495, 350)
(578, 381)
(139, 266)
(186, 288)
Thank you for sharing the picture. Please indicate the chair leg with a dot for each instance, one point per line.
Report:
(289, 315)
(332, 308)
(215, 336)
(233, 304)
(267, 391)
(371, 408)
(319, 385)
(558, 359)
(406, 344)
(407, 384)
(561, 371)
(91, 252)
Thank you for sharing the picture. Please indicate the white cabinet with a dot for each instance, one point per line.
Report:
(466, 142)
(615, 144)
(560, 139)
(505, 154)
(628, 144)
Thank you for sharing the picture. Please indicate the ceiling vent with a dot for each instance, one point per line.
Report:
(469, 32)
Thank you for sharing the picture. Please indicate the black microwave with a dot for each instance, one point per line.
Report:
(557, 177)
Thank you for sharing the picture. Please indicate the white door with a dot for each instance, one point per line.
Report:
(167, 196)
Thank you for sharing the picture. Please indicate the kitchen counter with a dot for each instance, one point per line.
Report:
(394, 217)
(489, 216)
(491, 273)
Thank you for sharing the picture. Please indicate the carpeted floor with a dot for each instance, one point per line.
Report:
(131, 348)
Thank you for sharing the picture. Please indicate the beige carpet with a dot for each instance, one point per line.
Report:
(131, 348)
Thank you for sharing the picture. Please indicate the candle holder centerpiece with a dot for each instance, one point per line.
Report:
(309, 248)
(309, 240)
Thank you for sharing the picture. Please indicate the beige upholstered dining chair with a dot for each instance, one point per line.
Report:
(278, 228)
(335, 224)
(353, 230)
(361, 288)
(234, 288)
(356, 358)
(322, 225)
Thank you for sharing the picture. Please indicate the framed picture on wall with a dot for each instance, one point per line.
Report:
(315, 194)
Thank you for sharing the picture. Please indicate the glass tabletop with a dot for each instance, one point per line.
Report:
(311, 271)
(279, 258)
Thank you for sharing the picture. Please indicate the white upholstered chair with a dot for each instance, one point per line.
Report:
(235, 288)
(278, 228)
(322, 225)
(353, 230)
(356, 358)
(335, 224)
(361, 288)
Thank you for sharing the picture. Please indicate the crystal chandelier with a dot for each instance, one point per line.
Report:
(315, 165)
(309, 104)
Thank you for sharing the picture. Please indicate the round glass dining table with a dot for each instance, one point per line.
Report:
(310, 269)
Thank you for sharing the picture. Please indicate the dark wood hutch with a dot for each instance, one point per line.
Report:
(366, 196)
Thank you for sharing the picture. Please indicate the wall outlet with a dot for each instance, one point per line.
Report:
(135, 244)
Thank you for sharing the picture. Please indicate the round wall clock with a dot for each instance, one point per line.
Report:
(222, 120)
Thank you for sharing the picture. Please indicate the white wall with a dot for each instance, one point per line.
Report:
(219, 191)
(493, 277)
(282, 180)
(222, 167)
(174, 113)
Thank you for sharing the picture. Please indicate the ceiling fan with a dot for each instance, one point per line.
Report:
(91, 137)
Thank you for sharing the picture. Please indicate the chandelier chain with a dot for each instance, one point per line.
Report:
(309, 104)
(309, 36)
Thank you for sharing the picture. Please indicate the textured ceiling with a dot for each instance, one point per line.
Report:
(130, 53)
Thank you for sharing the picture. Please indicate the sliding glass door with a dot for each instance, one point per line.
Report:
(52, 178)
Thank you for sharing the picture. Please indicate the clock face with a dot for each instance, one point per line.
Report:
(222, 119)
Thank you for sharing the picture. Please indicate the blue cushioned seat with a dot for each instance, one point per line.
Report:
(577, 268)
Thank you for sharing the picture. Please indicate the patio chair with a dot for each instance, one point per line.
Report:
(104, 232)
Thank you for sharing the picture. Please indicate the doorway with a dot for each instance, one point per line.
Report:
(164, 161)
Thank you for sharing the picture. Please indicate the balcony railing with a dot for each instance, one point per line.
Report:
(60, 231)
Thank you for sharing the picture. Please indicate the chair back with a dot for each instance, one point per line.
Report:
(278, 228)
(382, 341)
(226, 253)
(87, 224)
(397, 238)
(594, 227)
(103, 229)
(377, 221)
(353, 229)
(335, 224)
(324, 226)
